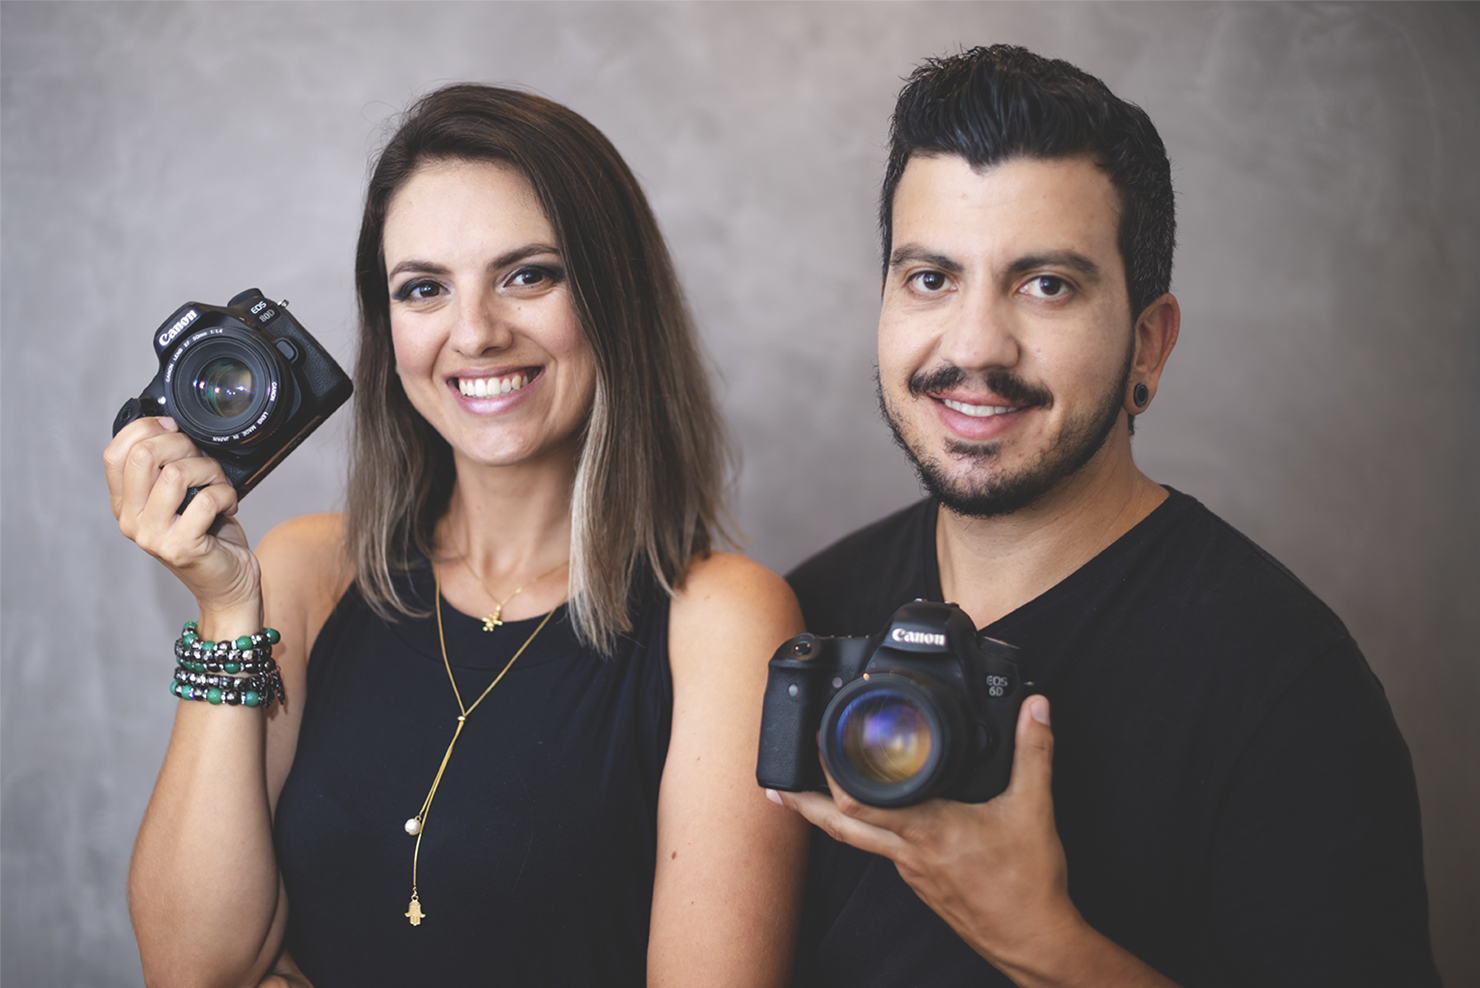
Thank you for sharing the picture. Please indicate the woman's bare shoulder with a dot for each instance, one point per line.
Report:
(308, 549)
(727, 595)
(730, 579)
(305, 570)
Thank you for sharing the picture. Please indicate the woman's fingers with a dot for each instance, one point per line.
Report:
(168, 531)
(151, 467)
(143, 462)
(121, 447)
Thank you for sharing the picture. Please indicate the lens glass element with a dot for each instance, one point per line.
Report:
(225, 387)
(885, 736)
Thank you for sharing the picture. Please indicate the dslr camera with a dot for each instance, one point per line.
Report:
(926, 708)
(244, 380)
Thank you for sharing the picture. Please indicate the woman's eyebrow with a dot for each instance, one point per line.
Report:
(503, 260)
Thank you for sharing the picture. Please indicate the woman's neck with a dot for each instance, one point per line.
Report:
(511, 527)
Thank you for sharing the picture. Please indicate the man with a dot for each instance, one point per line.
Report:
(1223, 796)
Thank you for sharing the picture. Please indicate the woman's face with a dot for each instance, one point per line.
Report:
(487, 344)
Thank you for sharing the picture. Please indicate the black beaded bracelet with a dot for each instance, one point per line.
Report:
(256, 682)
(230, 663)
(259, 684)
(247, 653)
(216, 695)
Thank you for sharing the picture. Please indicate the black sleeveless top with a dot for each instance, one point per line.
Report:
(537, 858)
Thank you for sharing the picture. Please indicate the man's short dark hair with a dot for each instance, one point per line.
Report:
(987, 105)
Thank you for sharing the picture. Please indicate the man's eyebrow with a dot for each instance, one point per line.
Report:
(1086, 269)
(911, 253)
(502, 261)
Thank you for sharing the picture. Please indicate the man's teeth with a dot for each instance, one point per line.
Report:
(977, 411)
(491, 387)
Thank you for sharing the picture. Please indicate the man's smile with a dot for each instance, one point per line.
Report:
(977, 411)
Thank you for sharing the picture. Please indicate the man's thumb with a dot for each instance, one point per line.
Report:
(1032, 761)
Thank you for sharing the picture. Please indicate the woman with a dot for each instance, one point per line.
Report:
(567, 797)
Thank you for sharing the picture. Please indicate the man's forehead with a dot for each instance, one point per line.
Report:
(944, 205)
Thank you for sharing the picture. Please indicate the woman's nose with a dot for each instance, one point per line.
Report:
(482, 325)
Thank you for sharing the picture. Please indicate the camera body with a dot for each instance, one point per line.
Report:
(925, 708)
(245, 381)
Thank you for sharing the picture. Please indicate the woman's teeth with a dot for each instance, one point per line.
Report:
(491, 387)
(977, 411)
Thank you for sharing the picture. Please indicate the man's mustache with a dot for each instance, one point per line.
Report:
(1002, 383)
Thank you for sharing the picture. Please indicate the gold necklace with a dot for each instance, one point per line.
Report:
(417, 824)
(494, 619)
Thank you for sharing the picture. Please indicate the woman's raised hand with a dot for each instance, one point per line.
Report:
(150, 466)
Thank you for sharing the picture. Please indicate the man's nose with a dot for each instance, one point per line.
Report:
(981, 334)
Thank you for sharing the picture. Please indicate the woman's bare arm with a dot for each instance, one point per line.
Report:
(204, 891)
(731, 865)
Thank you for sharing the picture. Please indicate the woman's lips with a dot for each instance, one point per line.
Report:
(495, 390)
(493, 386)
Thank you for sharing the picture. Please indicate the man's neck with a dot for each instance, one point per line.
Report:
(992, 566)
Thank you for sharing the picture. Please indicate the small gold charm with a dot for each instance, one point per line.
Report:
(494, 620)
(414, 913)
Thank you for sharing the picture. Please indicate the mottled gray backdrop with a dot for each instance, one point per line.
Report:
(1323, 397)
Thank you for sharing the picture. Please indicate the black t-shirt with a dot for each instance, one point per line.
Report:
(1235, 801)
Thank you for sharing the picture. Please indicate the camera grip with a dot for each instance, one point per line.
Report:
(788, 745)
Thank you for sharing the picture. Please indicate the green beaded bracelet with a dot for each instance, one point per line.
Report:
(249, 655)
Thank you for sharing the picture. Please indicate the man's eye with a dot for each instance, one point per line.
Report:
(929, 281)
(1047, 286)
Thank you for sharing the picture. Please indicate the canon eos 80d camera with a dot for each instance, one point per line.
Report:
(926, 708)
(244, 380)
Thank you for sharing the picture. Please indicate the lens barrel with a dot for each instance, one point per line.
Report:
(229, 388)
(894, 740)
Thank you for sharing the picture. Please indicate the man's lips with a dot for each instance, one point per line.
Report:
(979, 411)
(982, 418)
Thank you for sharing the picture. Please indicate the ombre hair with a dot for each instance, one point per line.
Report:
(650, 477)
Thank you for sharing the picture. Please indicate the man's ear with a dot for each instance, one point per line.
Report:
(1156, 333)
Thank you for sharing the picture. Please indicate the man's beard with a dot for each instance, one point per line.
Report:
(993, 495)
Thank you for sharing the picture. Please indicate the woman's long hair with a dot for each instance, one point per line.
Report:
(650, 478)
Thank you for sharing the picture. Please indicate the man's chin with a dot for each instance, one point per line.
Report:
(994, 500)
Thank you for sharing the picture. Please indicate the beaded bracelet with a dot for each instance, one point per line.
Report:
(261, 683)
(227, 665)
(258, 684)
(248, 653)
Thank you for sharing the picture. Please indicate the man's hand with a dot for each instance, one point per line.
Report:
(994, 871)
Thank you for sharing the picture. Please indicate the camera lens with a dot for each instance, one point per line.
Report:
(229, 388)
(885, 737)
(894, 740)
(225, 387)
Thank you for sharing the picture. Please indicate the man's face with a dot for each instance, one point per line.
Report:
(1005, 340)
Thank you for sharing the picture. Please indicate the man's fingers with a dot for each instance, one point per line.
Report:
(1032, 761)
(824, 813)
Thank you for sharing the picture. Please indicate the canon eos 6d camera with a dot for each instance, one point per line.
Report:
(244, 380)
(925, 708)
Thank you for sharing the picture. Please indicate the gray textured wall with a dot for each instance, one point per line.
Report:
(1323, 397)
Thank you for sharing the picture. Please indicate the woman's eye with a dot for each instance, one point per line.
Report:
(418, 290)
(534, 277)
(1047, 286)
(929, 281)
